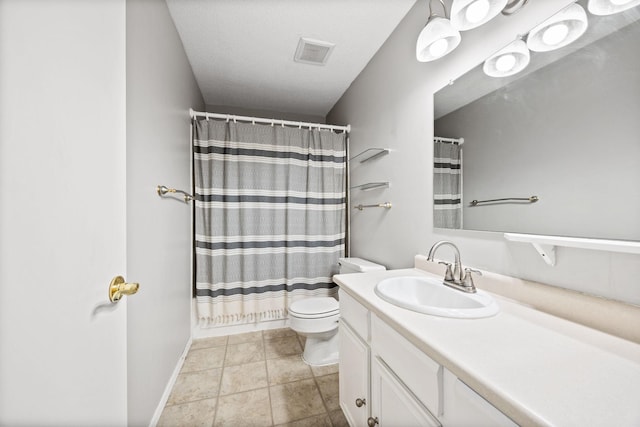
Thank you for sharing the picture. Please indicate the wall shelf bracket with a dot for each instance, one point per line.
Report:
(547, 252)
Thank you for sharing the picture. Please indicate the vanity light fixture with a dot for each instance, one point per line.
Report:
(513, 6)
(437, 38)
(469, 14)
(508, 61)
(609, 7)
(560, 30)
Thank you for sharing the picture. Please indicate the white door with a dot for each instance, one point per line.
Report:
(392, 404)
(62, 212)
(354, 382)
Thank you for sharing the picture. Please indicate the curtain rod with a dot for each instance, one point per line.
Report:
(233, 117)
(452, 140)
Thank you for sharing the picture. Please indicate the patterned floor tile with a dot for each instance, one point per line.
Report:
(250, 408)
(295, 401)
(239, 378)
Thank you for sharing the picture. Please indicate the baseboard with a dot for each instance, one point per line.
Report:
(167, 390)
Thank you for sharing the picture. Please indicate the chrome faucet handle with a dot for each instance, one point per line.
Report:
(467, 281)
(448, 275)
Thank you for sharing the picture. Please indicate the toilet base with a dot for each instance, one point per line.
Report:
(321, 352)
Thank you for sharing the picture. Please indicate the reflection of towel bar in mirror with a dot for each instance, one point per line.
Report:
(386, 205)
(162, 190)
(531, 199)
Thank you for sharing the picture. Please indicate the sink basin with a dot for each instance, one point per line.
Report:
(430, 296)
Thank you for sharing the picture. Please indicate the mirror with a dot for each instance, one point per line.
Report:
(566, 130)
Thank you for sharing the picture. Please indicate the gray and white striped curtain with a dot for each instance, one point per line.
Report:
(447, 185)
(270, 218)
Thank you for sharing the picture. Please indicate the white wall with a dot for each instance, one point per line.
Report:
(160, 90)
(391, 105)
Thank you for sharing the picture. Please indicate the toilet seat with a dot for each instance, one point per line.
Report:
(315, 308)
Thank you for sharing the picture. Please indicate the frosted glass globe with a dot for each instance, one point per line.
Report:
(505, 62)
(438, 47)
(555, 34)
(477, 10)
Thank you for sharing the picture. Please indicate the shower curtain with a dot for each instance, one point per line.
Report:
(269, 218)
(447, 185)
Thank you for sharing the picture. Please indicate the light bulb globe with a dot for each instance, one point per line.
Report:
(561, 29)
(508, 61)
(505, 62)
(437, 39)
(555, 34)
(469, 14)
(609, 7)
(477, 11)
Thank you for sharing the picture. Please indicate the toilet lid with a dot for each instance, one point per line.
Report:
(315, 307)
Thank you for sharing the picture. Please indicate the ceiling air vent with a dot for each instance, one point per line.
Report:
(312, 51)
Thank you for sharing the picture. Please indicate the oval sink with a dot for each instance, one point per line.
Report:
(430, 296)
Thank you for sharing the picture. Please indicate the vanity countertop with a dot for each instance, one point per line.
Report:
(536, 368)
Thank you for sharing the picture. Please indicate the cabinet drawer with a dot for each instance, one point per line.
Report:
(355, 314)
(421, 374)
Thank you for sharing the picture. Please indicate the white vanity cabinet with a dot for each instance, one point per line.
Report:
(355, 388)
(387, 381)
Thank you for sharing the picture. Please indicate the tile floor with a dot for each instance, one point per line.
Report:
(253, 379)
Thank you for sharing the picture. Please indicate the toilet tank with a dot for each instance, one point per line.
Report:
(358, 265)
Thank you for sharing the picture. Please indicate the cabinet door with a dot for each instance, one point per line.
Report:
(464, 407)
(393, 404)
(354, 377)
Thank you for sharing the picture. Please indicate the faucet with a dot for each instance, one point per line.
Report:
(459, 278)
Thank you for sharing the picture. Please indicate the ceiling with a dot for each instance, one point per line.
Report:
(241, 51)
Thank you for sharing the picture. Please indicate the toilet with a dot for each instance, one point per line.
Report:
(317, 318)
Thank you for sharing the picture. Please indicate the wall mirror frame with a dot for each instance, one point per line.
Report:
(561, 135)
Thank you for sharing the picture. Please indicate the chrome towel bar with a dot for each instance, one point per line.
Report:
(386, 205)
(531, 199)
(162, 190)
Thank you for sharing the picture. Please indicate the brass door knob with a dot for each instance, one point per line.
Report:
(360, 402)
(371, 422)
(118, 287)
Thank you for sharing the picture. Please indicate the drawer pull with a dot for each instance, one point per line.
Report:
(361, 402)
(371, 422)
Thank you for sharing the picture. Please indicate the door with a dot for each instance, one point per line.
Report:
(392, 404)
(62, 212)
(464, 407)
(354, 382)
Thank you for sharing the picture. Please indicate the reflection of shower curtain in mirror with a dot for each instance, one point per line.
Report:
(270, 218)
(447, 185)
